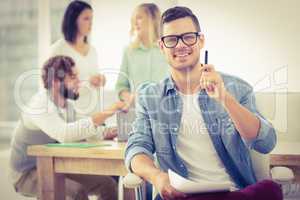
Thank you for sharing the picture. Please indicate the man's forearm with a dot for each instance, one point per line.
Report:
(245, 121)
(100, 117)
(144, 167)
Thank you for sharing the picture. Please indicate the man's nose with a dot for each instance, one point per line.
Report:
(181, 43)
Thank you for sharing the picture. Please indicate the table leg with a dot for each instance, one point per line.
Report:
(51, 185)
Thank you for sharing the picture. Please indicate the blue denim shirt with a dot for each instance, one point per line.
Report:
(158, 117)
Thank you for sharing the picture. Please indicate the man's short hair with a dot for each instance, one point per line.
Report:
(56, 68)
(177, 12)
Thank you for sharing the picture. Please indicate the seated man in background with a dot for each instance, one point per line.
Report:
(199, 122)
(51, 119)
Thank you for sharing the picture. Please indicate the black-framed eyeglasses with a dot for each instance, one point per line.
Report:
(189, 39)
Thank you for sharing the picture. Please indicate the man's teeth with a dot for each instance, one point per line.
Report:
(181, 55)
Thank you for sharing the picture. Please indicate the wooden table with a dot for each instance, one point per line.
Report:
(287, 154)
(54, 162)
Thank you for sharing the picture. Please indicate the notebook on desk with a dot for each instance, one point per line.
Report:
(124, 123)
(76, 145)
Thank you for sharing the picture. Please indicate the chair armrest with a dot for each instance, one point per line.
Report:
(282, 174)
(132, 181)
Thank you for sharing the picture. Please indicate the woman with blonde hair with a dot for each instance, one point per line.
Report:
(142, 60)
(145, 25)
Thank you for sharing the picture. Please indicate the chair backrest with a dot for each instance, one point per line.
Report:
(282, 110)
(261, 162)
(124, 123)
(261, 165)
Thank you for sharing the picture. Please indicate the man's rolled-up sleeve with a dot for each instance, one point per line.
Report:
(266, 137)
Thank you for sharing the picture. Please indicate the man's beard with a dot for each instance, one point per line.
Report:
(188, 67)
(67, 93)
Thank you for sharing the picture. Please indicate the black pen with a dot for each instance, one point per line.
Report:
(210, 87)
(206, 57)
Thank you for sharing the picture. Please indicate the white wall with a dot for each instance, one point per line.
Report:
(44, 33)
(110, 33)
(257, 40)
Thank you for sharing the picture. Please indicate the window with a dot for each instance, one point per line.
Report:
(18, 54)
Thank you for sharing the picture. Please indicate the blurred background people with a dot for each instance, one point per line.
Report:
(142, 60)
(51, 104)
(76, 27)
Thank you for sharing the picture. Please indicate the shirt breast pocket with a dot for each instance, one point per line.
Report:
(224, 123)
(224, 118)
(161, 137)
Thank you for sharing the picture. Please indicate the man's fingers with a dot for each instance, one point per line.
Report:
(125, 108)
(178, 194)
(172, 193)
(208, 68)
(207, 82)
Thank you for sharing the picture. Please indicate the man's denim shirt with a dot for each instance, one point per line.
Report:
(155, 130)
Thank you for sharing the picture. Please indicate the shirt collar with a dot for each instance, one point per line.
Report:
(170, 88)
(169, 85)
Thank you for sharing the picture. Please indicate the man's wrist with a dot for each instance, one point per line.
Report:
(154, 175)
(227, 100)
(110, 112)
(99, 118)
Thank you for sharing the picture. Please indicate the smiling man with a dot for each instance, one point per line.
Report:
(200, 123)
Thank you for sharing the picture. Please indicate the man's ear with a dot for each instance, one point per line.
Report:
(55, 84)
(161, 46)
(201, 40)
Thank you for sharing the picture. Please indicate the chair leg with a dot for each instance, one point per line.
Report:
(139, 193)
(125, 193)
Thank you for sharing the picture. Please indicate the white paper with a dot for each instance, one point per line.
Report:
(190, 187)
